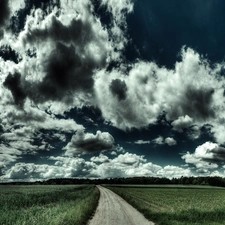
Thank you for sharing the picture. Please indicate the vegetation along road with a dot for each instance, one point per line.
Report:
(176, 204)
(113, 210)
(47, 204)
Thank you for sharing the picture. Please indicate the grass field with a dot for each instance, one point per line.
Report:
(47, 204)
(177, 205)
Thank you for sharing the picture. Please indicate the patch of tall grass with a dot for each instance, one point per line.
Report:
(177, 206)
(47, 205)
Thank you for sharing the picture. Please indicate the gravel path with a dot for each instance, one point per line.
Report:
(113, 210)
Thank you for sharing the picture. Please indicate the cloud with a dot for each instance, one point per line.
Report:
(113, 153)
(59, 54)
(118, 8)
(170, 141)
(4, 12)
(16, 5)
(174, 171)
(74, 167)
(210, 152)
(66, 57)
(132, 111)
(77, 45)
(23, 145)
(64, 73)
(190, 95)
(23, 171)
(218, 130)
(117, 26)
(130, 165)
(129, 159)
(86, 143)
(22, 139)
(13, 83)
(8, 155)
(146, 169)
(159, 140)
(141, 142)
(31, 130)
(206, 156)
(20, 133)
(123, 165)
(39, 119)
(216, 173)
(63, 168)
(32, 172)
(119, 89)
(183, 122)
(100, 159)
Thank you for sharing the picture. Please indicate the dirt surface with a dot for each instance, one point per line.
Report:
(113, 210)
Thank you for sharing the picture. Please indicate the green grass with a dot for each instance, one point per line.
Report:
(177, 205)
(47, 205)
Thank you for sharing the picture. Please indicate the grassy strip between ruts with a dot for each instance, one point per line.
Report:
(177, 206)
(47, 205)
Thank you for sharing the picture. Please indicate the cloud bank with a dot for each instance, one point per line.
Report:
(124, 165)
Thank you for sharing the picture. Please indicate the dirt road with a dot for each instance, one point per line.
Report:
(113, 210)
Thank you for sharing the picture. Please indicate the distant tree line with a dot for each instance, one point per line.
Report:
(213, 181)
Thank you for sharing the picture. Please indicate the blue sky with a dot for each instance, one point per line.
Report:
(99, 89)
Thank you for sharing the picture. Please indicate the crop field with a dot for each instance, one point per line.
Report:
(177, 205)
(47, 204)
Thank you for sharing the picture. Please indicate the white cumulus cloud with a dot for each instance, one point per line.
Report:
(206, 156)
(84, 143)
(170, 141)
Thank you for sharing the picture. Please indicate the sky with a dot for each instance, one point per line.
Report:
(111, 88)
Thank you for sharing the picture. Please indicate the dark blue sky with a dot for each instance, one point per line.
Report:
(111, 88)
(160, 28)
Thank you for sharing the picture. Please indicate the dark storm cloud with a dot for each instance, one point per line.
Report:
(218, 154)
(74, 52)
(89, 143)
(118, 88)
(77, 31)
(80, 33)
(196, 103)
(7, 53)
(1, 171)
(65, 72)
(200, 104)
(13, 83)
(4, 12)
